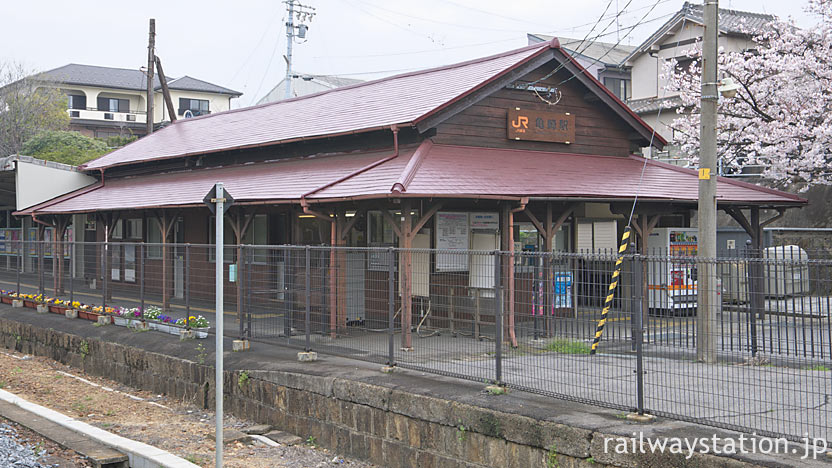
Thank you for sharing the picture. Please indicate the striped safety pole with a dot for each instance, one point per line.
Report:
(599, 329)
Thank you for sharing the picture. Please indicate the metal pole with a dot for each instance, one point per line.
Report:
(141, 281)
(249, 262)
(72, 274)
(104, 251)
(307, 319)
(218, 246)
(20, 247)
(187, 286)
(638, 328)
(241, 289)
(391, 306)
(706, 287)
(498, 320)
(40, 266)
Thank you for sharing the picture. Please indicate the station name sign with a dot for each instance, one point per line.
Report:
(535, 125)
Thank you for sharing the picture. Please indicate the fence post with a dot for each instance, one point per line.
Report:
(498, 319)
(187, 286)
(141, 281)
(391, 306)
(249, 261)
(638, 329)
(288, 305)
(72, 273)
(307, 320)
(105, 249)
(20, 249)
(240, 289)
(40, 267)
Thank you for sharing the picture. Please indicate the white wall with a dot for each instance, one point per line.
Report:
(217, 103)
(37, 183)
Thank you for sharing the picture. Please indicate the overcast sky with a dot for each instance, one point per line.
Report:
(240, 44)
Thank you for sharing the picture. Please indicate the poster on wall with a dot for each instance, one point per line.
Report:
(451, 234)
(489, 221)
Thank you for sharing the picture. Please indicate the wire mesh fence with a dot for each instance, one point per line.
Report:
(757, 359)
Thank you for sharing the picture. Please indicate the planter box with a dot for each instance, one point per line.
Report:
(6, 300)
(165, 328)
(201, 333)
(29, 303)
(58, 309)
(121, 321)
(87, 315)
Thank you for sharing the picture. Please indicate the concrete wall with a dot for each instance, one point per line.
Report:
(216, 103)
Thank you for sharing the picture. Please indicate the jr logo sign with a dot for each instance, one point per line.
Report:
(540, 126)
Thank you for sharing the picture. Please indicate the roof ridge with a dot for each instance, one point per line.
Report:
(412, 167)
(389, 78)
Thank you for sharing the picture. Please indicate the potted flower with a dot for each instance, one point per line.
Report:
(123, 317)
(198, 323)
(6, 297)
(57, 306)
(90, 313)
(151, 314)
(29, 300)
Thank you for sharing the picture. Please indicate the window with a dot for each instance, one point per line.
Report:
(619, 86)
(76, 101)
(196, 106)
(74, 113)
(379, 231)
(113, 104)
(133, 228)
(154, 236)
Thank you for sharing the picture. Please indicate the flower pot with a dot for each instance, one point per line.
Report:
(121, 321)
(174, 330)
(6, 299)
(55, 309)
(29, 303)
(201, 333)
(87, 315)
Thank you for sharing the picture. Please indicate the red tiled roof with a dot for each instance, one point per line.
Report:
(431, 170)
(401, 100)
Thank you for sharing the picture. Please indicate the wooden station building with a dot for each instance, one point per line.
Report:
(523, 149)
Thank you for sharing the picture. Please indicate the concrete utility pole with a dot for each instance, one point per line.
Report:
(151, 56)
(706, 281)
(303, 13)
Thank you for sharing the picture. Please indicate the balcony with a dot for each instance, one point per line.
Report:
(133, 116)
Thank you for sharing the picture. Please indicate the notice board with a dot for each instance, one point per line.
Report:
(451, 234)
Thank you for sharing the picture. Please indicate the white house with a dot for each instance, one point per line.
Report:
(105, 101)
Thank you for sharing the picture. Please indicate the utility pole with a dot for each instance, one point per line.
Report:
(706, 277)
(151, 56)
(303, 13)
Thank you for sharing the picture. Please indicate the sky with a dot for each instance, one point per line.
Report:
(241, 44)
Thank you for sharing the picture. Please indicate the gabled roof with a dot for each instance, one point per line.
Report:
(605, 53)
(412, 99)
(731, 22)
(306, 84)
(428, 170)
(653, 104)
(123, 78)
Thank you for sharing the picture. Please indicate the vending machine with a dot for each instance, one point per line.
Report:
(671, 271)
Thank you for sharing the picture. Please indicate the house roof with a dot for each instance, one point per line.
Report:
(427, 170)
(605, 53)
(306, 84)
(731, 22)
(123, 78)
(408, 99)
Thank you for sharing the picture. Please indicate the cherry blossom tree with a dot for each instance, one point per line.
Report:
(781, 117)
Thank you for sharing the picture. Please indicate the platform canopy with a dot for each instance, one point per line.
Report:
(424, 171)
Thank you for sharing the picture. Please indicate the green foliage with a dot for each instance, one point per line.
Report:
(243, 379)
(461, 430)
(28, 107)
(84, 349)
(568, 347)
(819, 368)
(201, 354)
(311, 441)
(64, 147)
(118, 141)
(552, 457)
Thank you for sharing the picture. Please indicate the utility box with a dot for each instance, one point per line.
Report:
(786, 271)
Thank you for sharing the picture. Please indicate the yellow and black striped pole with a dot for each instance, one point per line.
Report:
(599, 329)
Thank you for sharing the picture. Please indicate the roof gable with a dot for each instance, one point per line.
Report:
(421, 99)
(731, 22)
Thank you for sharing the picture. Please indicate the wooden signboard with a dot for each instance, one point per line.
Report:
(535, 125)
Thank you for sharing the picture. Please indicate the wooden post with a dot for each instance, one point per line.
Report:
(151, 54)
(507, 245)
(165, 91)
(341, 227)
(406, 243)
